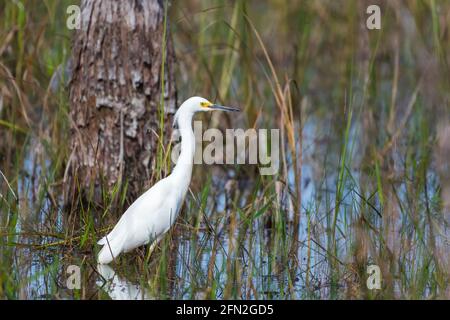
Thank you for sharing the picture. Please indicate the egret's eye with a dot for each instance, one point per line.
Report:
(205, 104)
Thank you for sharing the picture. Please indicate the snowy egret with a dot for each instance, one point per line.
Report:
(154, 212)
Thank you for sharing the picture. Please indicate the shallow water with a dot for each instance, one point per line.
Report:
(42, 272)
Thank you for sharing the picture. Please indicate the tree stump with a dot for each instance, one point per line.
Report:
(122, 95)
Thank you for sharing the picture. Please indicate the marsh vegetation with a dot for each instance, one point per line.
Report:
(364, 176)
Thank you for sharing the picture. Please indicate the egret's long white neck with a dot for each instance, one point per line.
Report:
(183, 169)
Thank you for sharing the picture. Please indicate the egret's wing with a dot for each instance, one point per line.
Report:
(112, 249)
(140, 217)
(115, 231)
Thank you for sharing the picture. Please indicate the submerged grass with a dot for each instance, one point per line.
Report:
(361, 177)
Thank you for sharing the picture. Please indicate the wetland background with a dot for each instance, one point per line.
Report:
(364, 173)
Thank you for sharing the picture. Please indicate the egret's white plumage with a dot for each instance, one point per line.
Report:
(155, 211)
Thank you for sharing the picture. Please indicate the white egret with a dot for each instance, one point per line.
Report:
(155, 211)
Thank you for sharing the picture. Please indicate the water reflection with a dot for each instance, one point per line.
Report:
(119, 288)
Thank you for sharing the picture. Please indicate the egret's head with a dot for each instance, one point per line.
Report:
(199, 104)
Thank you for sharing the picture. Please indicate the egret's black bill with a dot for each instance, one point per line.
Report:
(223, 108)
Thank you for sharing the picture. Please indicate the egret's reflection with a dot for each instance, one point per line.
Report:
(119, 288)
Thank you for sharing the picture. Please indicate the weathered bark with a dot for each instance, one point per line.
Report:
(115, 93)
